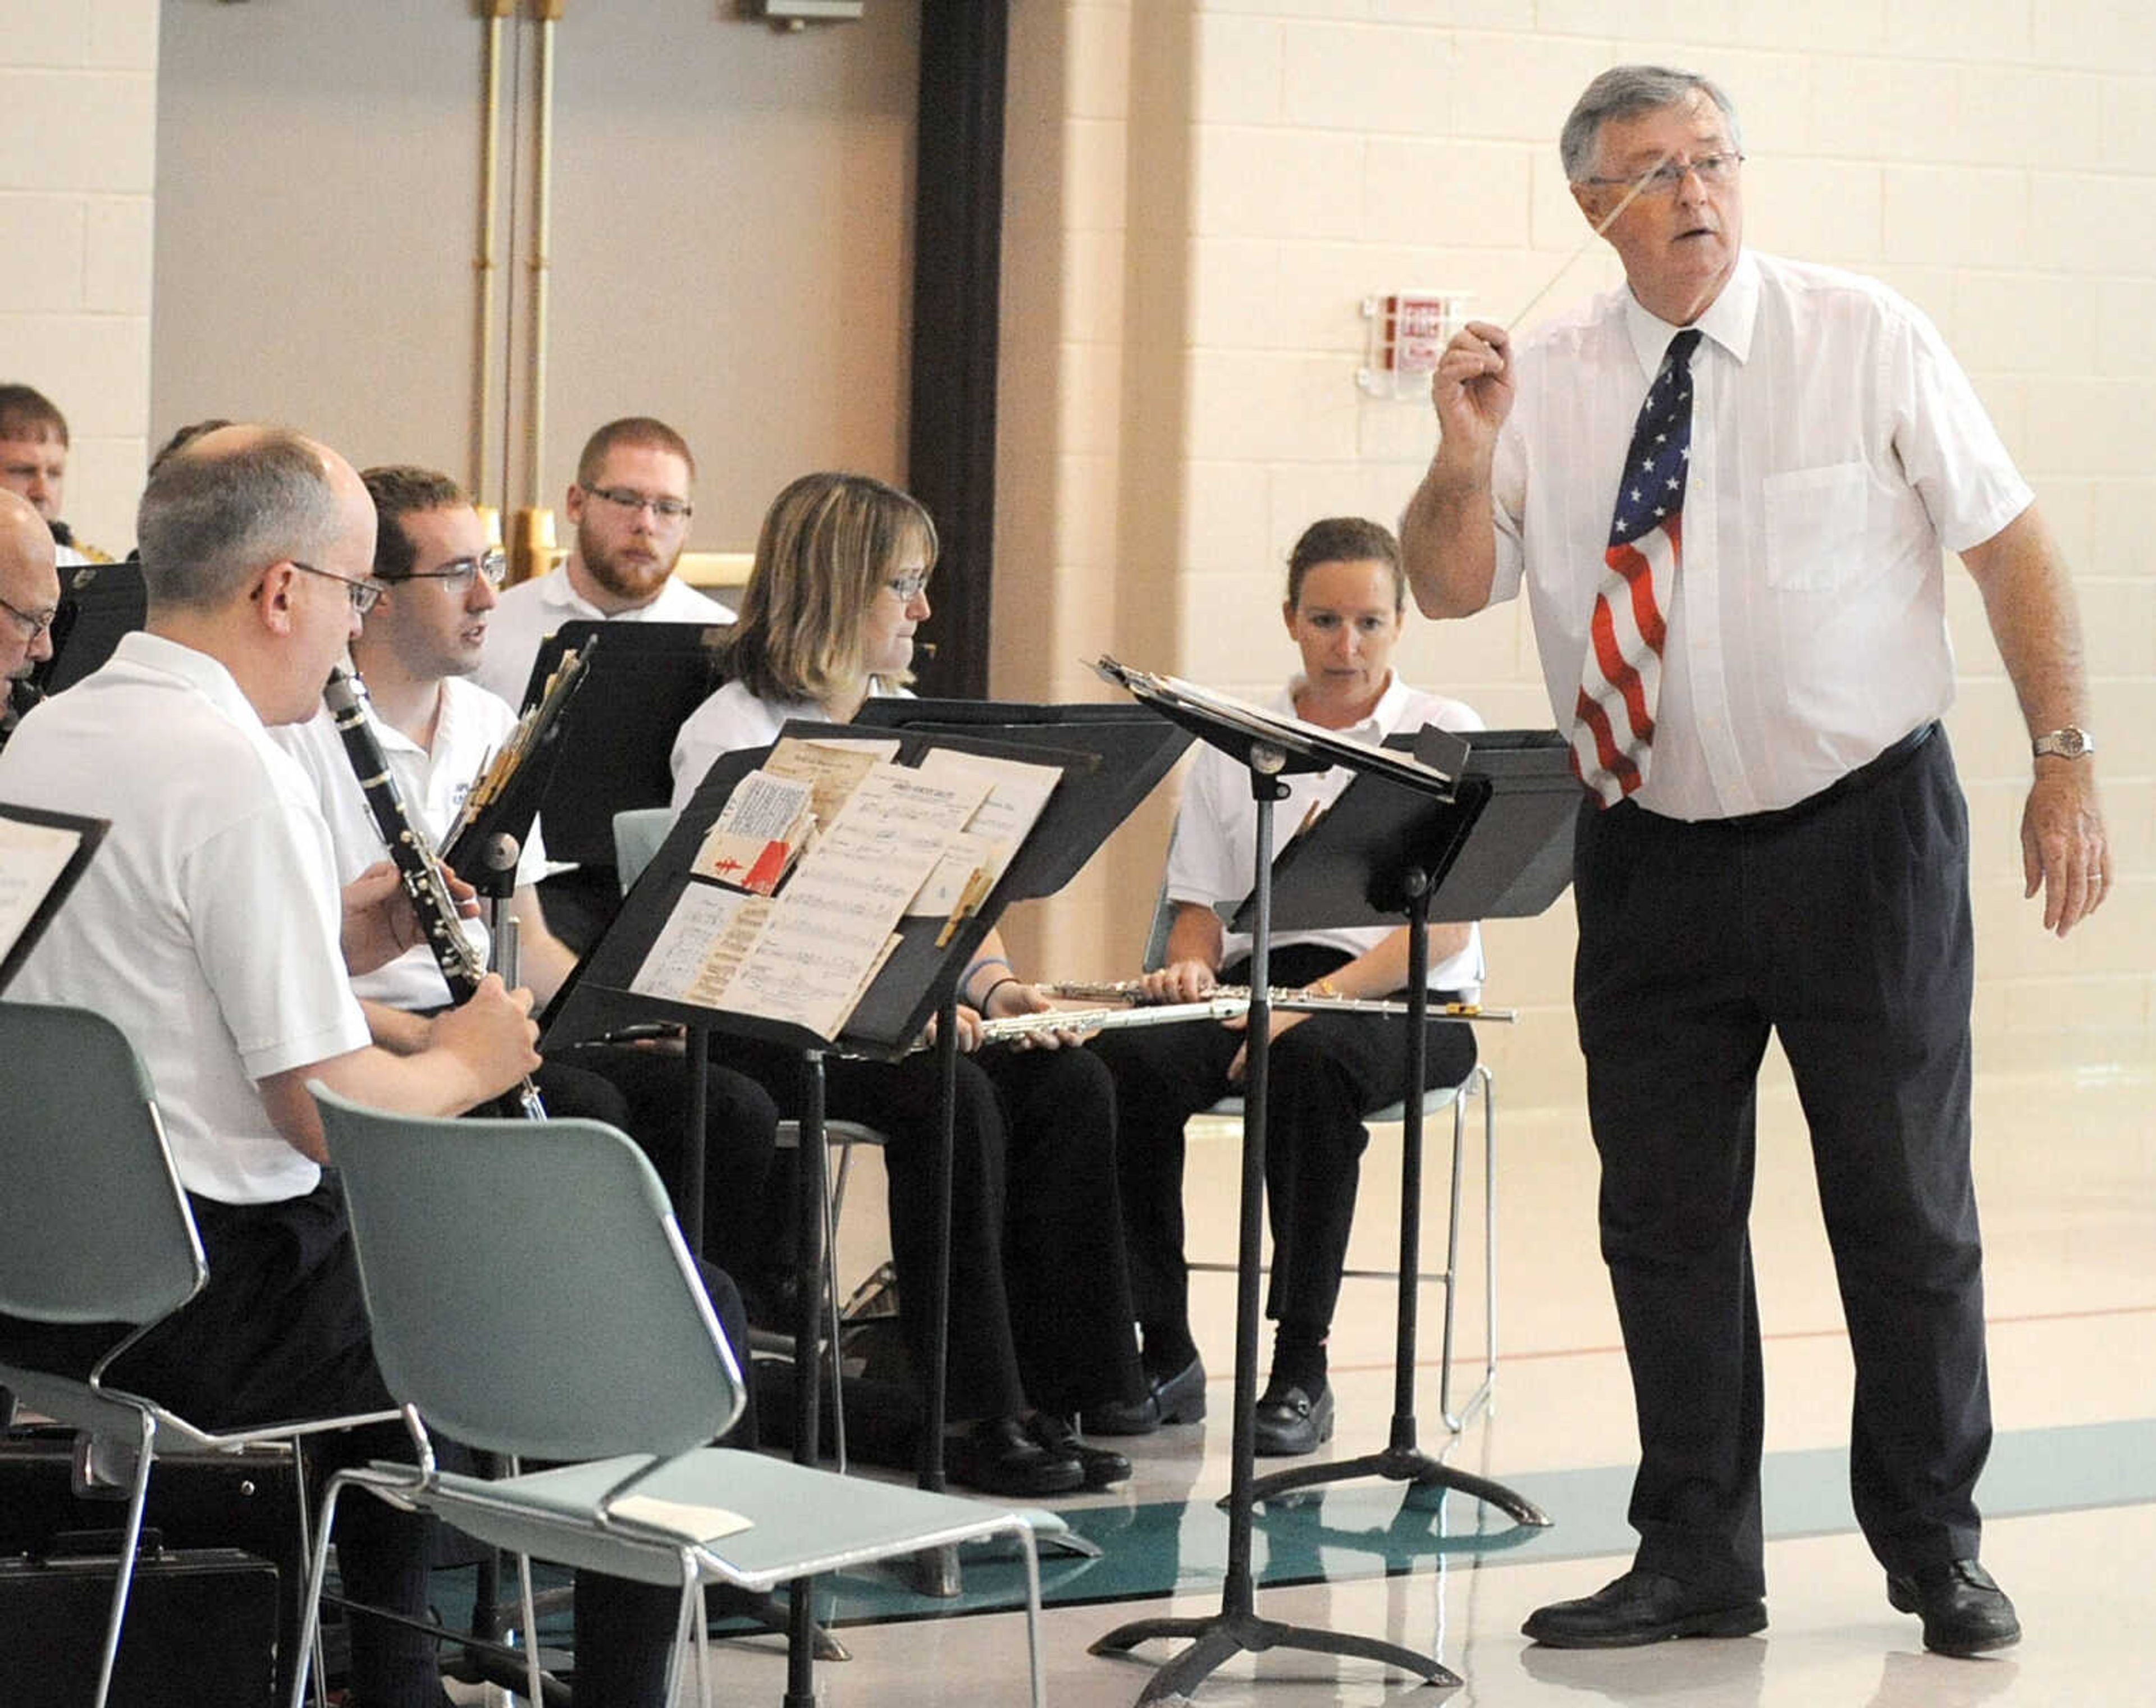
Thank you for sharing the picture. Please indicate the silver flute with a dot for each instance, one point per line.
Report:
(1132, 990)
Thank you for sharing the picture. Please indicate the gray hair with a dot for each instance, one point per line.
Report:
(210, 522)
(1623, 90)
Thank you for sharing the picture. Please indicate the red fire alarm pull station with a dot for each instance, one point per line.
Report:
(1408, 331)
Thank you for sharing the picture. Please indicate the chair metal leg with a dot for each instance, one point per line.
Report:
(318, 1565)
(1485, 1393)
(131, 1538)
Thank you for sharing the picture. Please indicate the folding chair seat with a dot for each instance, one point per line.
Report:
(606, 1355)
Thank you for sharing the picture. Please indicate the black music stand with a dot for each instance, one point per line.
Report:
(99, 603)
(1500, 848)
(1269, 748)
(36, 888)
(642, 686)
(919, 979)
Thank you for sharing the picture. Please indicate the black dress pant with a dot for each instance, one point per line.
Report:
(1843, 925)
(645, 1092)
(1324, 1075)
(1040, 1299)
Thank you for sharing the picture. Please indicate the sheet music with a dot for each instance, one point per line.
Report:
(833, 922)
(1017, 792)
(694, 957)
(756, 834)
(831, 766)
(31, 858)
(1292, 735)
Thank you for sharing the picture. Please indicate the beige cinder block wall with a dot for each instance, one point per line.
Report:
(78, 157)
(1201, 195)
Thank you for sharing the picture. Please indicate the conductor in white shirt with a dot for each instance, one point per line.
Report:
(1753, 662)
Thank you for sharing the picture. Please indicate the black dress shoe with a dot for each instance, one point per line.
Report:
(1290, 1420)
(998, 1457)
(1179, 1399)
(1964, 1612)
(1643, 1607)
(1100, 1467)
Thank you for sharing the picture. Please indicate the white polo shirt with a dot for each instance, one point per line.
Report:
(206, 926)
(733, 718)
(473, 724)
(1216, 829)
(532, 610)
(1836, 446)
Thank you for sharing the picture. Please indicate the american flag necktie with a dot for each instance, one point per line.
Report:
(1622, 681)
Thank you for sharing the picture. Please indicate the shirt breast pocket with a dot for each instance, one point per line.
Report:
(1814, 521)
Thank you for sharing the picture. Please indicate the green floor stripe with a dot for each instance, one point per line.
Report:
(1369, 1529)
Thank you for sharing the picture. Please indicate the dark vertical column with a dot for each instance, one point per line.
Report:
(957, 245)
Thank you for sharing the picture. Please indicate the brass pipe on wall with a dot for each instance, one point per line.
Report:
(548, 14)
(484, 263)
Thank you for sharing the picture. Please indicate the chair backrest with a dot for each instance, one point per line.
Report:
(529, 1289)
(637, 833)
(93, 1226)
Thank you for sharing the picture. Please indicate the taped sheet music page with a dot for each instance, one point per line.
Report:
(31, 858)
(694, 958)
(833, 922)
(832, 767)
(1017, 791)
(759, 833)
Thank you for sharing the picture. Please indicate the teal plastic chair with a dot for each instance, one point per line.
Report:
(94, 1229)
(638, 832)
(532, 1296)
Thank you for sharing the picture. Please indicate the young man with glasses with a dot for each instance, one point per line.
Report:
(630, 509)
(1753, 660)
(415, 652)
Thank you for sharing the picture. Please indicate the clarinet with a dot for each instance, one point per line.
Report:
(346, 696)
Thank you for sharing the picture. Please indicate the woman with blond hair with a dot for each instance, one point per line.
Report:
(1040, 1317)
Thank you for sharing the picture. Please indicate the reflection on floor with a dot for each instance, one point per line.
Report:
(2067, 1174)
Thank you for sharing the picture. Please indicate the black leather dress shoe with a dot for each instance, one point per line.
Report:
(998, 1457)
(1290, 1421)
(1179, 1399)
(1964, 1613)
(1643, 1607)
(1101, 1469)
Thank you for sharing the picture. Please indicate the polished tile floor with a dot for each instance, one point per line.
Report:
(2067, 1174)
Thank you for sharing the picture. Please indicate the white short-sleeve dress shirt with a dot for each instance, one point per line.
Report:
(531, 611)
(473, 724)
(1837, 447)
(206, 927)
(733, 718)
(1216, 829)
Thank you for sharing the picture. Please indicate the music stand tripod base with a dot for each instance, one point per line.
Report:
(1221, 1636)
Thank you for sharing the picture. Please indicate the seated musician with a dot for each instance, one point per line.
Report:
(629, 506)
(416, 651)
(29, 595)
(1346, 597)
(33, 453)
(209, 928)
(1040, 1316)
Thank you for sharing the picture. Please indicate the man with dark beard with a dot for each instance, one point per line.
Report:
(631, 509)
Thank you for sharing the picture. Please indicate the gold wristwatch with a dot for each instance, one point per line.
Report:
(2070, 743)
